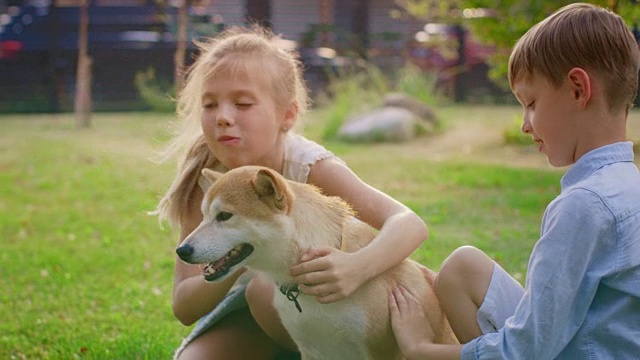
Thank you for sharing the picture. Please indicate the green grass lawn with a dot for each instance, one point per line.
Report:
(87, 273)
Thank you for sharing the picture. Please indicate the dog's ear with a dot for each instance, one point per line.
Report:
(272, 189)
(208, 178)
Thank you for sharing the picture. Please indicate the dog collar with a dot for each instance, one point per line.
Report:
(291, 291)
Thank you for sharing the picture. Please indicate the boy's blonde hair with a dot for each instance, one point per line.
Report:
(254, 52)
(585, 36)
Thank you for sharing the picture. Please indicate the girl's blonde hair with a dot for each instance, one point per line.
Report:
(238, 50)
(580, 35)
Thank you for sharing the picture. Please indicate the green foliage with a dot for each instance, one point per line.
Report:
(419, 84)
(434, 10)
(509, 21)
(312, 36)
(157, 94)
(351, 92)
(513, 135)
(513, 18)
(363, 89)
(346, 93)
(37, 104)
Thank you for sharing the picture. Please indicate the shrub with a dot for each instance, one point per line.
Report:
(352, 91)
(157, 94)
(363, 88)
(420, 85)
(514, 136)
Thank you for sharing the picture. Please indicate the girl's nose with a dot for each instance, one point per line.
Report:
(224, 116)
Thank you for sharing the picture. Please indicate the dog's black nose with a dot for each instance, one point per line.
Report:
(184, 252)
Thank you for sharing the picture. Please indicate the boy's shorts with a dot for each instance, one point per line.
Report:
(500, 302)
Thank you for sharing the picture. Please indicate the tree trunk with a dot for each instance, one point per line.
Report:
(54, 53)
(82, 102)
(181, 46)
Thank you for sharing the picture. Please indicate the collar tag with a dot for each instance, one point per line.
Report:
(291, 292)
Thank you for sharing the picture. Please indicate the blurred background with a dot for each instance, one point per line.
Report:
(87, 273)
(124, 55)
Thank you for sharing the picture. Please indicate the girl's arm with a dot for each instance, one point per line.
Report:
(335, 274)
(193, 297)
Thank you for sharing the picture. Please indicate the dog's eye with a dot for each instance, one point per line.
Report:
(223, 216)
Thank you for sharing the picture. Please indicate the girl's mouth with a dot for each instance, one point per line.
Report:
(228, 140)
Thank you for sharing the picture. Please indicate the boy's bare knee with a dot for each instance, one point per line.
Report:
(460, 260)
(466, 273)
(455, 270)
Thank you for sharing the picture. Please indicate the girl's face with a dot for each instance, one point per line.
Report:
(241, 122)
(549, 119)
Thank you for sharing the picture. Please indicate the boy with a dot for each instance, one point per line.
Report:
(575, 74)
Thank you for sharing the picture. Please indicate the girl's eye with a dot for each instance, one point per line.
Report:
(244, 104)
(530, 105)
(209, 105)
(223, 216)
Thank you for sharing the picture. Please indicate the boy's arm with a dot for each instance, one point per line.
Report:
(412, 330)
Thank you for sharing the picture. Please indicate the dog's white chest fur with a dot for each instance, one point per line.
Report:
(324, 331)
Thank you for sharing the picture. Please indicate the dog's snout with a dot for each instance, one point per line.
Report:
(184, 252)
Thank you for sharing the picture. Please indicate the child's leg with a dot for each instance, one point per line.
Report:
(461, 286)
(237, 336)
(259, 296)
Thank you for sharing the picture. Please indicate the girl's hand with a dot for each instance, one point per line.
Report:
(328, 274)
(409, 323)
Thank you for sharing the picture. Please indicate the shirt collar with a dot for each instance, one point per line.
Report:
(596, 159)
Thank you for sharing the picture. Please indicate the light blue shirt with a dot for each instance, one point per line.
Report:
(582, 293)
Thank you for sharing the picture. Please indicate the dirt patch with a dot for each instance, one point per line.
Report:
(477, 134)
(481, 142)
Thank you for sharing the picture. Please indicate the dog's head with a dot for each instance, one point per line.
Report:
(243, 210)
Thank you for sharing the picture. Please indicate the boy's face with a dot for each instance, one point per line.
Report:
(549, 118)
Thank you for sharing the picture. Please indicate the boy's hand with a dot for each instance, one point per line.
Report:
(328, 274)
(410, 325)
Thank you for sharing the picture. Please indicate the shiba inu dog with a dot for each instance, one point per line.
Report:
(254, 217)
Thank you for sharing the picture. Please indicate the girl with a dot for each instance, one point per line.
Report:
(242, 97)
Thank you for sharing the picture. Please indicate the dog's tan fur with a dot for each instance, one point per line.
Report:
(282, 218)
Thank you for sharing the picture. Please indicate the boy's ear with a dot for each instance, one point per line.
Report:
(581, 85)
